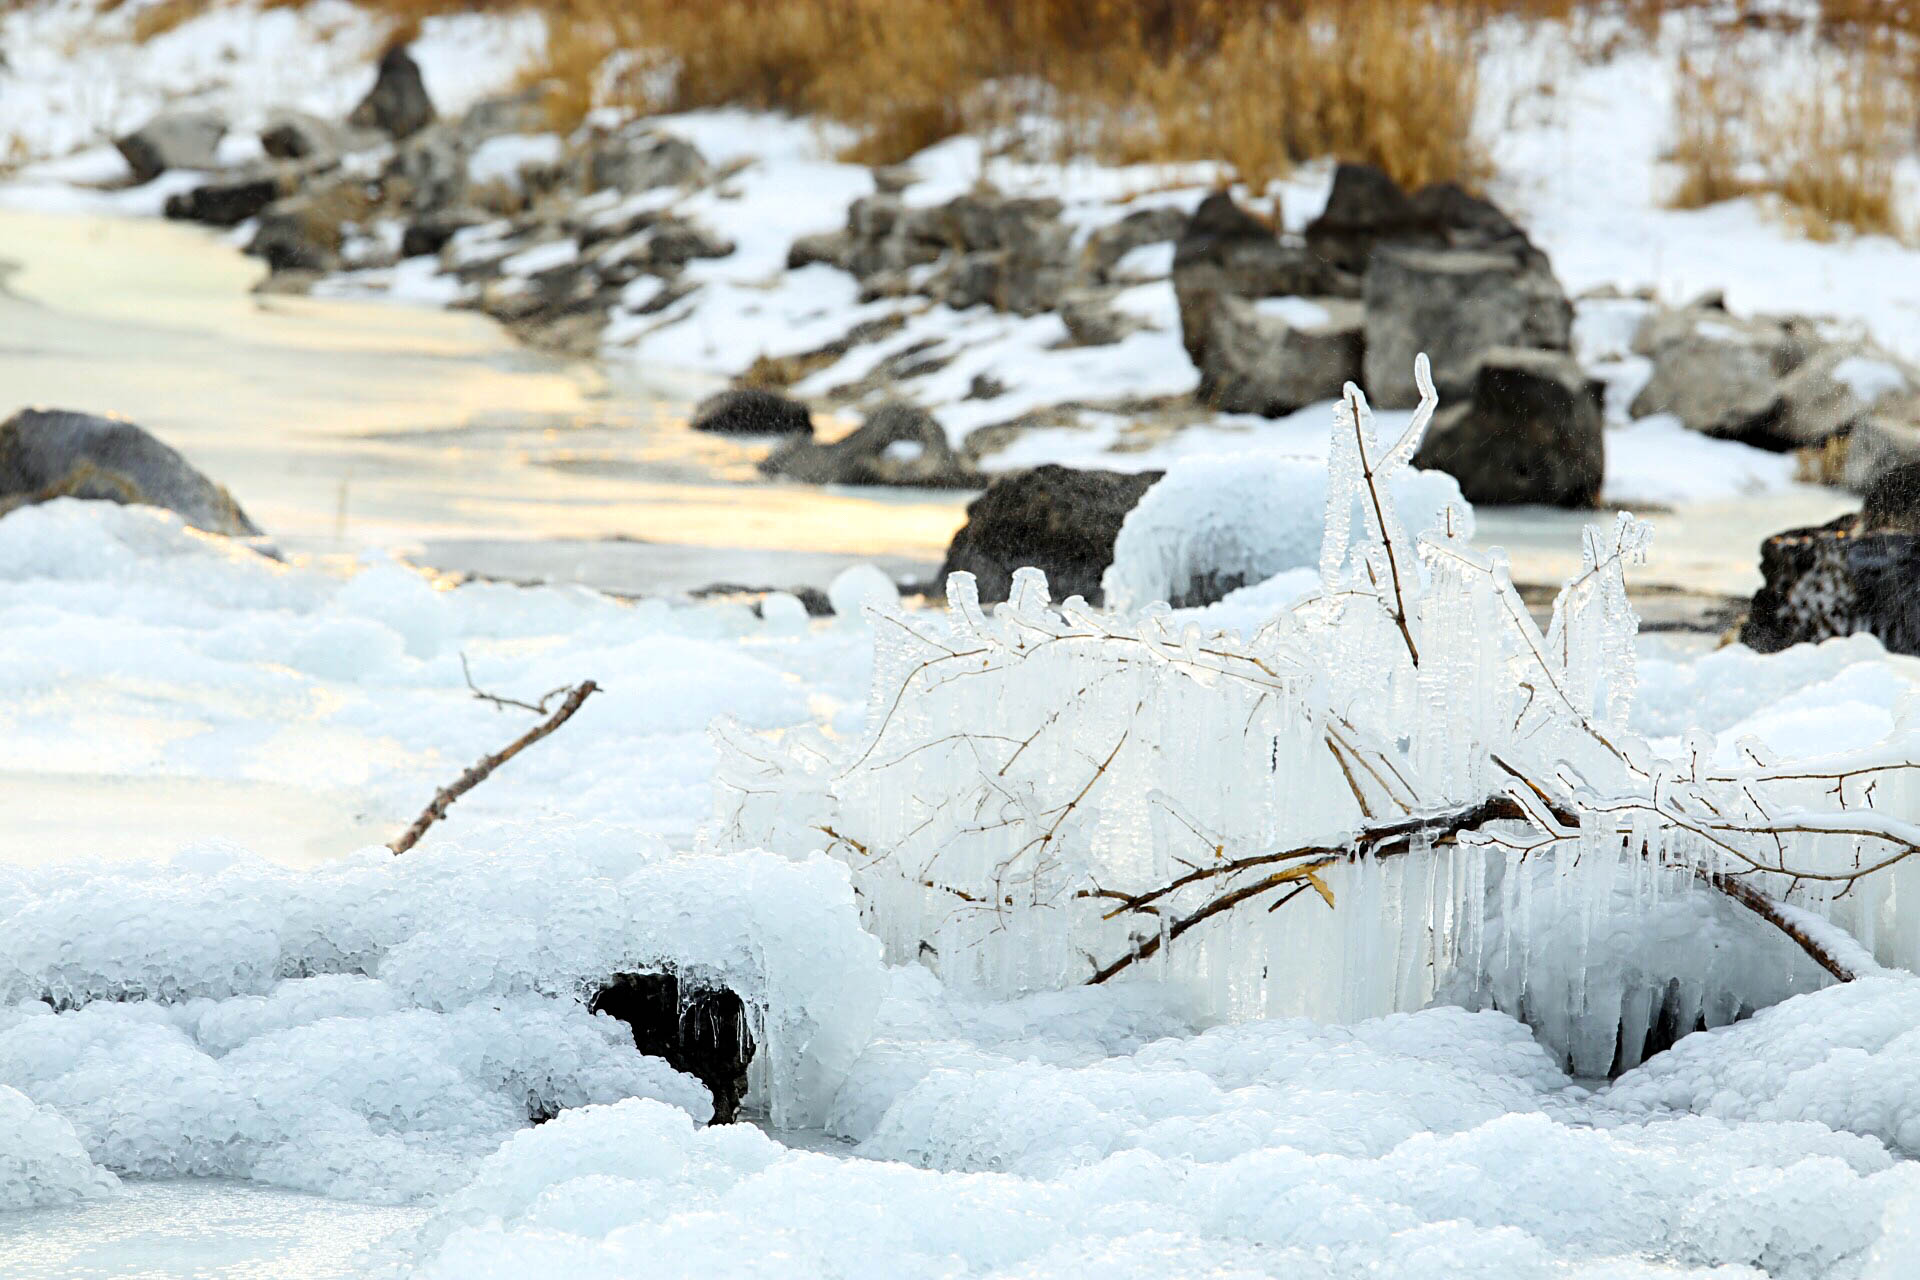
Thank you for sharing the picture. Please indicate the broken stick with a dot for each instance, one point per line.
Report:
(478, 774)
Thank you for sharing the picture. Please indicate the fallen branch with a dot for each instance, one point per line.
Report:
(1769, 910)
(484, 768)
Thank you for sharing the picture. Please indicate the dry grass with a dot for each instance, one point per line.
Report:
(1826, 146)
(1259, 84)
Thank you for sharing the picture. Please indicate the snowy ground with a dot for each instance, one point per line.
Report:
(380, 1031)
(1087, 1132)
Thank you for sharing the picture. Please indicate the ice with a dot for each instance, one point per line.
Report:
(41, 1159)
(1239, 519)
(861, 585)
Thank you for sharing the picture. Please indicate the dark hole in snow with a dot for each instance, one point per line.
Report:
(702, 1031)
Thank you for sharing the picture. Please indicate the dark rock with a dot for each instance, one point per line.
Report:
(640, 161)
(702, 1031)
(1092, 320)
(1835, 580)
(1261, 362)
(1892, 503)
(231, 201)
(748, 411)
(54, 453)
(174, 140)
(1226, 251)
(295, 135)
(1056, 519)
(429, 233)
(1367, 208)
(1455, 305)
(398, 104)
(898, 444)
(428, 171)
(1531, 433)
(1138, 229)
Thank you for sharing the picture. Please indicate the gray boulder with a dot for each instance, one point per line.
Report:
(749, 411)
(54, 453)
(1532, 433)
(1456, 305)
(1881, 441)
(632, 161)
(1836, 387)
(307, 232)
(834, 248)
(1224, 251)
(1259, 359)
(1092, 320)
(172, 140)
(1142, 227)
(522, 112)
(398, 104)
(1061, 521)
(898, 444)
(428, 171)
(1718, 387)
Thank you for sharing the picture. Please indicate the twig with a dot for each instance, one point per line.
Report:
(479, 773)
(1354, 410)
(538, 708)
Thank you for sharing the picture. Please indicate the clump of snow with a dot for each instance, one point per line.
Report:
(1868, 379)
(1301, 313)
(41, 1159)
(504, 158)
(1239, 519)
(860, 585)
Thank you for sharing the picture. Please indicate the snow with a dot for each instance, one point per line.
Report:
(1870, 380)
(503, 159)
(1300, 313)
(1241, 519)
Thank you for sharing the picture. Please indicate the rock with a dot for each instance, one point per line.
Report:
(428, 171)
(1059, 520)
(295, 135)
(172, 140)
(632, 161)
(748, 411)
(398, 104)
(429, 233)
(1029, 227)
(998, 278)
(1892, 503)
(231, 201)
(1092, 320)
(1836, 387)
(55, 453)
(702, 1031)
(1720, 388)
(1142, 227)
(1455, 305)
(522, 112)
(897, 445)
(835, 248)
(1275, 356)
(666, 245)
(1880, 442)
(1367, 208)
(1843, 578)
(1532, 433)
(307, 232)
(1226, 251)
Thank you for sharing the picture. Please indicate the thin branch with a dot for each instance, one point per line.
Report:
(1769, 910)
(538, 708)
(479, 773)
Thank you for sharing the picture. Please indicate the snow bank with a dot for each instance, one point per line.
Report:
(1438, 1143)
(1238, 519)
(41, 1159)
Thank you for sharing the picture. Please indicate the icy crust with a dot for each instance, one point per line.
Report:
(1239, 519)
(41, 1159)
(1847, 1058)
(369, 1028)
(1435, 1144)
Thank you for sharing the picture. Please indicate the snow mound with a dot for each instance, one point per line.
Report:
(41, 1159)
(370, 1028)
(1215, 523)
(1434, 1144)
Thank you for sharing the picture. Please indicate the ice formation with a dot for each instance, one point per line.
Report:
(1234, 520)
(372, 1027)
(41, 1159)
(1050, 795)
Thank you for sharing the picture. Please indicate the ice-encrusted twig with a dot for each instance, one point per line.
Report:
(484, 767)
